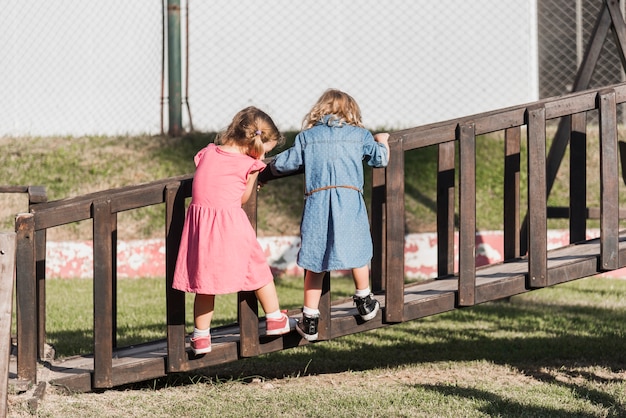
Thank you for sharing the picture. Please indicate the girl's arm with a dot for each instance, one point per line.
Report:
(382, 138)
(249, 185)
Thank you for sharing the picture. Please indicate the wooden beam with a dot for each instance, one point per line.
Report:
(609, 175)
(537, 198)
(445, 208)
(467, 214)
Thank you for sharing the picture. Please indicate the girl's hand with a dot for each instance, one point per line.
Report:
(382, 137)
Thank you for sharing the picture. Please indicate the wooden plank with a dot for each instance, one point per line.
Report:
(378, 229)
(102, 294)
(593, 50)
(26, 298)
(248, 312)
(511, 221)
(40, 289)
(537, 199)
(75, 209)
(7, 275)
(445, 208)
(467, 214)
(394, 293)
(578, 178)
(619, 29)
(174, 299)
(324, 325)
(609, 191)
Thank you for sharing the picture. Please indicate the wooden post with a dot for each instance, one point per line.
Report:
(175, 299)
(445, 208)
(467, 214)
(248, 312)
(103, 297)
(511, 221)
(394, 292)
(7, 275)
(609, 192)
(537, 198)
(26, 296)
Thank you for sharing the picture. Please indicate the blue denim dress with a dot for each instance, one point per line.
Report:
(335, 229)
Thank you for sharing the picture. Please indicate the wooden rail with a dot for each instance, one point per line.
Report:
(455, 287)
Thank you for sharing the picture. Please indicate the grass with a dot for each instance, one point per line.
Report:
(554, 352)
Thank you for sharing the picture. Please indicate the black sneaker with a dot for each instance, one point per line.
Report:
(367, 306)
(307, 327)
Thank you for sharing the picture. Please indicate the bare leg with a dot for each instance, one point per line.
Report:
(313, 289)
(361, 276)
(268, 298)
(203, 307)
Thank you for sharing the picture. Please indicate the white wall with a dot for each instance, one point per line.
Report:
(73, 67)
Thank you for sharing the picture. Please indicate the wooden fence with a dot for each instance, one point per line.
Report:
(455, 287)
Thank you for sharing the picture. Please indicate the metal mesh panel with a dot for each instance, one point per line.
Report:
(80, 68)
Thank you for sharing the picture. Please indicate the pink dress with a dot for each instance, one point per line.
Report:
(219, 252)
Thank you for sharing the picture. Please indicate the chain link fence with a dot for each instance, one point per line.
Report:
(82, 68)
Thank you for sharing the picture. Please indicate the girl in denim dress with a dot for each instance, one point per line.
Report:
(335, 229)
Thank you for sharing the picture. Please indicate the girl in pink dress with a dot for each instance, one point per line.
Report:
(219, 252)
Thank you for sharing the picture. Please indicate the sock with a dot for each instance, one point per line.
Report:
(310, 311)
(362, 292)
(277, 314)
(201, 332)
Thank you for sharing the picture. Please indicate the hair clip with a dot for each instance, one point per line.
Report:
(258, 132)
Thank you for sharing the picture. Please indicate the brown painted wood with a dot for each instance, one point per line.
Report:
(394, 293)
(467, 214)
(609, 191)
(104, 333)
(618, 27)
(537, 200)
(248, 311)
(511, 221)
(26, 297)
(578, 178)
(445, 207)
(175, 299)
(7, 275)
(324, 325)
(377, 215)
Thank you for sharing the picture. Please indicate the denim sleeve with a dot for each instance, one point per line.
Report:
(374, 153)
(290, 160)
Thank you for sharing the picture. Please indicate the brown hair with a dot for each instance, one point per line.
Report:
(337, 103)
(249, 130)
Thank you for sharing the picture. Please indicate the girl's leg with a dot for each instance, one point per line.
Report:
(361, 276)
(203, 307)
(276, 322)
(268, 298)
(313, 288)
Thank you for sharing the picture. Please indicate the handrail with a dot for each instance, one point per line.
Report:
(387, 222)
(462, 133)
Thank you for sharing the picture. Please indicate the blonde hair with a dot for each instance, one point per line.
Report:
(249, 130)
(337, 103)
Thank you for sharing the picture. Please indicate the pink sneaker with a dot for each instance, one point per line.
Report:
(201, 345)
(279, 326)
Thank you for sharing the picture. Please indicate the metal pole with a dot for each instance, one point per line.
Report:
(174, 67)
